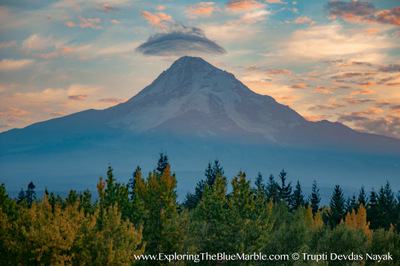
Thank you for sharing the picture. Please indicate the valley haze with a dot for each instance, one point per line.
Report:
(195, 113)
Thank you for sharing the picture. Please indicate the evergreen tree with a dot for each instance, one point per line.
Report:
(272, 187)
(213, 217)
(284, 191)
(386, 207)
(21, 197)
(297, 198)
(110, 193)
(162, 163)
(351, 204)
(362, 198)
(30, 194)
(372, 210)
(259, 183)
(132, 183)
(157, 197)
(337, 208)
(314, 198)
(249, 218)
(210, 173)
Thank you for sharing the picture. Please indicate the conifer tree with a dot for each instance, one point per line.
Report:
(259, 183)
(157, 196)
(272, 187)
(387, 207)
(337, 208)
(362, 198)
(351, 204)
(132, 183)
(297, 198)
(110, 193)
(284, 191)
(314, 198)
(30, 194)
(21, 197)
(372, 211)
(213, 216)
(249, 223)
(210, 173)
(162, 163)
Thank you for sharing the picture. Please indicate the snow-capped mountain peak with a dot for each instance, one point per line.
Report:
(193, 96)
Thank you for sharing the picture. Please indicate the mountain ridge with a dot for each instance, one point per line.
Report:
(196, 112)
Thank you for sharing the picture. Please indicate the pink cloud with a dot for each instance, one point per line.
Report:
(243, 5)
(90, 22)
(115, 21)
(301, 20)
(70, 24)
(203, 9)
(363, 11)
(157, 19)
(106, 8)
(275, 2)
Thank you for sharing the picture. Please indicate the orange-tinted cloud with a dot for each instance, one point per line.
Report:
(14, 111)
(106, 8)
(90, 22)
(70, 24)
(11, 64)
(393, 84)
(202, 9)
(366, 84)
(299, 86)
(315, 118)
(275, 2)
(323, 107)
(274, 72)
(77, 97)
(115, 21)
(301, 20)
(372, 31)
(363, 11)
(366, 91)
(157, 19)
(390, 68)
(159, 8)
(243, 5)
(347, 75)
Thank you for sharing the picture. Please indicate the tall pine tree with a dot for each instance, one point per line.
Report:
(314, 198)
(284, 191)
(337, 208)
(297, 198)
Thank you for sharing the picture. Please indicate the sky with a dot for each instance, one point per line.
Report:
(333, 60)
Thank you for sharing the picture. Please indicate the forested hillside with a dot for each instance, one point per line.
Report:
(272, 218)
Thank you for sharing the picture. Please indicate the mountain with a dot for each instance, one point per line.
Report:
(195, 112)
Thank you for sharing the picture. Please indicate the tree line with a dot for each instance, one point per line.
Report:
(144, 217)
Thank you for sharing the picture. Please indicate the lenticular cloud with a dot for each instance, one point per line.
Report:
(179, 40)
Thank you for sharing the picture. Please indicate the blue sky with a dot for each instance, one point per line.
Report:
(335, 60)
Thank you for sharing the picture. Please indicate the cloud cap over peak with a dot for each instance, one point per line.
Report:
(179, 40)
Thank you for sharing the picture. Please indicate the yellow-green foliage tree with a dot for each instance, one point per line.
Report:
(64, 234)
(249, 217)
(212, 218)
(156, 197)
